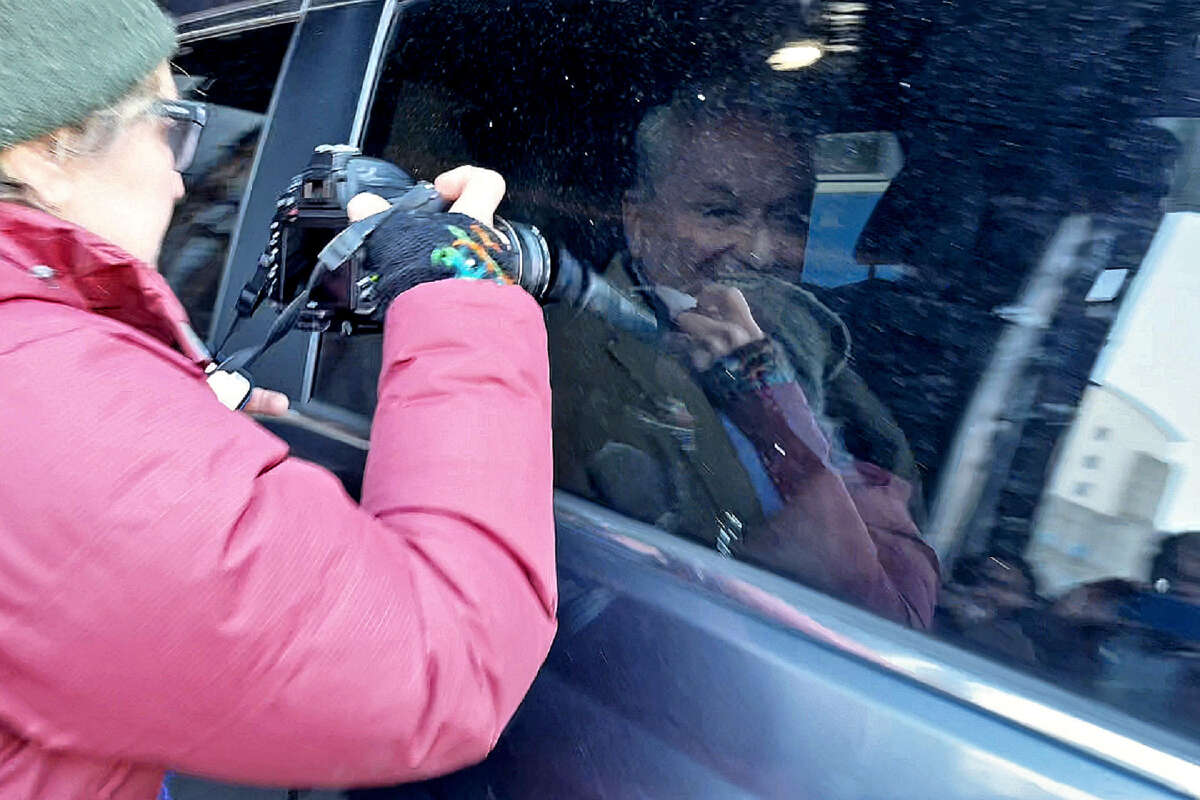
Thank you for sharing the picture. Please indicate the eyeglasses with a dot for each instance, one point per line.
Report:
(185, 120)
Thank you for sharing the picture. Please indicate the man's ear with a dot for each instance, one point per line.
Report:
(633, 216)
(35, 165)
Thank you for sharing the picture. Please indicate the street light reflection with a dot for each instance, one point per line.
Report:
(796, 55)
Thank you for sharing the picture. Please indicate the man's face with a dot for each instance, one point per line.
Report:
(735, 200)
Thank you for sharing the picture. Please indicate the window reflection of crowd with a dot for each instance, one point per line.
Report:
(200, 232)
(1135, 643)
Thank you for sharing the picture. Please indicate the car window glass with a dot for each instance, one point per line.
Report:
(234, 75)
(916, 273)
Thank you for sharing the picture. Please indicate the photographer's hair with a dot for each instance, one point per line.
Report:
(666, 129)
(90, 137)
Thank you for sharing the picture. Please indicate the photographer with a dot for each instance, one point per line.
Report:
(175, 590)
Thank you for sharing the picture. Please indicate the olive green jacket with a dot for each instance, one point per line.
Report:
(635, 431)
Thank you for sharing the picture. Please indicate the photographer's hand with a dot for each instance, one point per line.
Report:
(365, 205)
(267, 403)
(474, 191)
(408, 248)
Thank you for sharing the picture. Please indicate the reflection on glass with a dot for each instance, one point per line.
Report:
(854, 171)
(198, 240)
(1076, 460)
(1113, 539)
(795, 55)
(234, 76)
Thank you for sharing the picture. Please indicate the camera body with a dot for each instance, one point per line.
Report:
(317, 270)
(308, 215)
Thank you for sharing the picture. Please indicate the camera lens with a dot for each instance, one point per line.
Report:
(533, 263)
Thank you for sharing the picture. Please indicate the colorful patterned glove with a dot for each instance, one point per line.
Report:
(410, 249)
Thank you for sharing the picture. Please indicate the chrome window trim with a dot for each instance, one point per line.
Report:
(234, 8)
(387, 18)
(318, 5)
(331, 430)
(350, 423)
(1074, 721)
(310, 367)
(238, 17)
(218, 31)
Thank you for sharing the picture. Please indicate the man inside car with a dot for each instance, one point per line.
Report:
(741, 423)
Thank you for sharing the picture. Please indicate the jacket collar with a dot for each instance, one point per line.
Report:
(46, 258)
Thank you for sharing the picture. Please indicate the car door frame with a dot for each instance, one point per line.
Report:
(1069, 721)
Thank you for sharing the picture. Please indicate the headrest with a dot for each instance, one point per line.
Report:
(929, 215)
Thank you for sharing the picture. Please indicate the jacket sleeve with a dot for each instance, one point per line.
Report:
(846, 531)
(176, 590)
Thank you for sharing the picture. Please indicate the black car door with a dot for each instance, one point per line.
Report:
(985, 222)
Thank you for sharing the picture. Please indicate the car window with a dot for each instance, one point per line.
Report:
(921, 282)
(234, 75)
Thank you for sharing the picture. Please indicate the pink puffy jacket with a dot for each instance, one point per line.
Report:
(177, 592)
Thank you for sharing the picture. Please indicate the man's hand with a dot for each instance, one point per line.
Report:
(720, 324)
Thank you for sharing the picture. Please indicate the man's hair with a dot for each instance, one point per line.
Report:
(667, 129)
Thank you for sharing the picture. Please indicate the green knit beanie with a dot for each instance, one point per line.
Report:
(61, 60)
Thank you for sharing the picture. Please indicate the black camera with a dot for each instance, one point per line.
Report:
(315, 272)
(301, 254)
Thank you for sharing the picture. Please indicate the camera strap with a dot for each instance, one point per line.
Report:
(332, 257)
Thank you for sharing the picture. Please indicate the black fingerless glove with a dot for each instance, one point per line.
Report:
(410, 249)
(750, 368)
